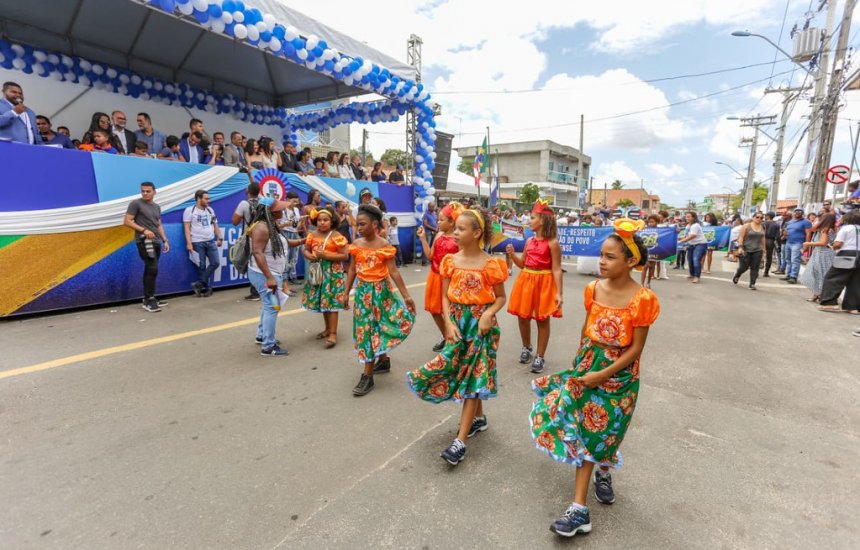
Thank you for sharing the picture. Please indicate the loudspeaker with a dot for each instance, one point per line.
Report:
(443, 160)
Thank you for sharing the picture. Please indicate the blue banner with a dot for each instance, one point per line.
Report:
(586, 241)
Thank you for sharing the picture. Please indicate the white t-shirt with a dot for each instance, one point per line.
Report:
(202, 223)
(847, 235)
(193, 156)
(393, 236)
(735, 233)
(698, 235)
(275, 264)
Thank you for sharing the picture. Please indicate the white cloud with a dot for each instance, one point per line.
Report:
(616, 170)
(667, 171)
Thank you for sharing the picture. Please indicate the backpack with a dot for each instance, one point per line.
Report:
(240, 252)
(252, 207)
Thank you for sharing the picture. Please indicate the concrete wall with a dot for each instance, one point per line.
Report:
(521, 166)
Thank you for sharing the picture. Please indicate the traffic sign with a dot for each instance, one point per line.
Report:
(839, 174)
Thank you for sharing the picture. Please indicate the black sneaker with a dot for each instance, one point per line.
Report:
(151, 306)
(274, 351)
(439, 346)
(252, 298)
(784, 278)
(198, 288)
(525, 355)
(603, 487)
(455, 453)
(792, 281)
(538, 365)
(479, 424)
(382, 366)
(365, 384)
(574, 520)
(207, 292)
(259, 341)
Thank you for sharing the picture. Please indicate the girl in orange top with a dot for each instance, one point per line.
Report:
(443, 244)
(473, 292)
(329, 248)
(537, 292)
(584, 411)
(381, 321)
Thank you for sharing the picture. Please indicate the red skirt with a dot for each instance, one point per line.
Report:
(433, 293)
(533, 296)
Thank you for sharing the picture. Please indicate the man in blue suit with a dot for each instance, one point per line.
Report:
(191, 150)
(17, 121)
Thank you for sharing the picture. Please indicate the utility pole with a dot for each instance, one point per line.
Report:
(830, 107)
(788, 98)
(364, 147)
(752, 122)
(581, 179)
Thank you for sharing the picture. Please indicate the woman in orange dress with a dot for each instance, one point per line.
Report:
(443, 244)
(473, 291)
(381, 321)
(329, 248)
(584, 412)
(537, 292)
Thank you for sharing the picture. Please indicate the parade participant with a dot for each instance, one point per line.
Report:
(144, 216)
(537, 292)
(710, 220)
(473, 291)
(651, 267)
(330, 249)
(265, 270)
(443, 244)
(751, 246)
(584, 412)
(695, 239)
(821, 259)
(381, 321)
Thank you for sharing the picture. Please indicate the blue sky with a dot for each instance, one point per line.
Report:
(599, 59)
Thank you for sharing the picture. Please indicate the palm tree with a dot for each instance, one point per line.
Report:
(617, 184)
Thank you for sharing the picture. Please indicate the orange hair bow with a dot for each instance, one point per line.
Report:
(626, 228)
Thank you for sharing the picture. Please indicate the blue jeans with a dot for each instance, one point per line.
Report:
(210, 260)
(268, 300)
(793, 259)
(292, 257)
(695, 253)
(783, 257)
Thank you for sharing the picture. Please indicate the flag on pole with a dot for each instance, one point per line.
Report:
(480, 163)
(494, 182)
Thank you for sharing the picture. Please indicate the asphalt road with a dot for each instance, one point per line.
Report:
(168, 430)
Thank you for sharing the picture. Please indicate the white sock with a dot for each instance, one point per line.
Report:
(577, 506)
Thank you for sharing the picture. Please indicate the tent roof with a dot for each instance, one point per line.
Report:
(131, 35)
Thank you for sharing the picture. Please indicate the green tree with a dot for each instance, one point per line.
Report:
(666, 207)
(465, 166)
(624, 203)
(529, 194)
(357, 153)
(759, 194)
(617, 184)
(393, 157)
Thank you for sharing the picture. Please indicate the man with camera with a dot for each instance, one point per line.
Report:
(17, 121)
(144, 216)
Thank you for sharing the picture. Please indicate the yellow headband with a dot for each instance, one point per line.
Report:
(480, 217)
(626, 228)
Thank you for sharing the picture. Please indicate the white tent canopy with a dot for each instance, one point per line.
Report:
(458, 182)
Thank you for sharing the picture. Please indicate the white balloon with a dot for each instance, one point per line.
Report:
(83, 81)
(111, 73)
(201, 5)
(98, 69)
(18, 49)
(124, 78)
(275, 45)
(186, 9)
(68, 61)
(431, 191)
(136, 80)
(350, 189)
(53, 59)
(40, 56)
(227, 17)
(313, 41)
(239, 17)
(269, 20)
(217, 25)
(240, 32)
(85, 65)
(290, 33)
(253, 33)
(302, 54)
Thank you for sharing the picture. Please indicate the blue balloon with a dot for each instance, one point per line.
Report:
(288, 49)
(201, 16)
(168, 5)
(317, 51)
(229, 6)
(265, 37)
(215, 11)
(240, 6)
(298, 43)
(329, 65)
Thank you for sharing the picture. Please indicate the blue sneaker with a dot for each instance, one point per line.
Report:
(479, 424)
(455, 453)
(603, 487)
(274, 351)
(259, 341)
(538, 365)
(574, 520)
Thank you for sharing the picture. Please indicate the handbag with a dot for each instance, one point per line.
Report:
(847, 259)
(315, 270)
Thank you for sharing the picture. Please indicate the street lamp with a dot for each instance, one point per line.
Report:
(730, 167)
(775, 45)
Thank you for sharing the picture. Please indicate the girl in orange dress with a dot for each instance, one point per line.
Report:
(473, 291)
(443, 244)
(537, 292)
(329, 248)
(584, 412)
(381, 321)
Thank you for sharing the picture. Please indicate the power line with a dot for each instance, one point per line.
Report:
(649, 81)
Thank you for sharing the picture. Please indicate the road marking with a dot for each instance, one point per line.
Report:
(132, 346)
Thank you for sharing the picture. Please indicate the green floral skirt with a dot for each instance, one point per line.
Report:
(381, 321)
(465, 369)
(331, 294)
(571, 422)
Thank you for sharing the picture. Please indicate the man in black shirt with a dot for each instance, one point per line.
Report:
(771, 235)
(144, 216)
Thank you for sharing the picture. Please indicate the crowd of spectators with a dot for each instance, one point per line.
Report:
(109, 134)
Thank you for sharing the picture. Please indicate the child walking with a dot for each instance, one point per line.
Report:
(381, 321)
(584, 412)
(443, 244)
(330, 249)
(537, 292)
(473, 291)
(653, 263)
(394, 240)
